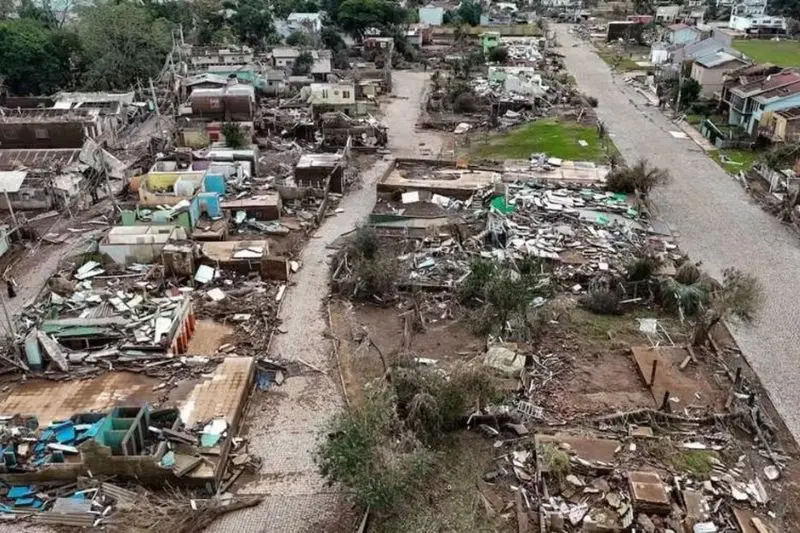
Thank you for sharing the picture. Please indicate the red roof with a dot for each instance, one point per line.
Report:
(769, 83)
(781, 92)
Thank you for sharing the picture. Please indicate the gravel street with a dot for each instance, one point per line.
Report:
(715, 219)
(283, 424)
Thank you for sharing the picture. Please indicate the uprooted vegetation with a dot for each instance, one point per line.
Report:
(385, 449)
(365, 268)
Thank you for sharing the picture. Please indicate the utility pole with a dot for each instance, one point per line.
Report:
(12, 331)
(680, 85)
(155, 100)
(11, 209)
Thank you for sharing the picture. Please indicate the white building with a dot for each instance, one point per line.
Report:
(763, 24)
(432, 16)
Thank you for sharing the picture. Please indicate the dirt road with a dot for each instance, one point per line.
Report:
(715, 219)
(284, 423)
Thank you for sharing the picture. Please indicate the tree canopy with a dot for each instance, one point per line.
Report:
(469, 12)
(35, 59)
(357, 16)
(123, 43)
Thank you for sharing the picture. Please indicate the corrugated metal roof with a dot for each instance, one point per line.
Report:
(11, 180)
(716, 59)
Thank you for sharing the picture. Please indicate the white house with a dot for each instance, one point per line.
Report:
(762, 24)
(432, 16)
(332, 94)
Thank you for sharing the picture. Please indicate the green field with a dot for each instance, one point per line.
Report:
(557, 139)
(735, 160)
(781, 53)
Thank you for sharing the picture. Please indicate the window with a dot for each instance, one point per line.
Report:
(215, 103)
(41, 133)
(325, 94)
(345, 94)
(10, 133)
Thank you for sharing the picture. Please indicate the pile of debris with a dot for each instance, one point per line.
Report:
(582, 231)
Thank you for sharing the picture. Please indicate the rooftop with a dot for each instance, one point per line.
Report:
(38, 159)
(780, 92)
(716, 59)
(767, 84)
(319, 160)
(37, 114)
(793, 113)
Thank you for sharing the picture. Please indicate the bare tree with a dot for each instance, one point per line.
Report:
(740, 296)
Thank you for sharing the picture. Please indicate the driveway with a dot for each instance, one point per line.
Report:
(715, 219)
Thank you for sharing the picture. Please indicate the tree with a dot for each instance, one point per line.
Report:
(689, 93)
(356, 16)
(498, 54)
(331, 39)
(469, 12)
(302, 65)
(740, 296)
(711, 10)
(299, 38)
(234, 136)
(35, 59)
(640, 179)
(252, 21)
(122, 43)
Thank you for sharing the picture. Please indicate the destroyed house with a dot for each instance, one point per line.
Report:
(327, 97)
(201, 57)
(138, 244)
(781, 126)
(81, 430)
(50, 128)
(318, 169)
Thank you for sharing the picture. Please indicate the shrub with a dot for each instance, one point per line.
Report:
(376, 276)
(480, 273)
(367, 450)
(643, 266)
(432, 404)
(685, 299)
(591, 101)
(687, 273)
(498, 54)
(601, 299)
(640, 178)
(234, 136)
(465, 103)
(365, 243)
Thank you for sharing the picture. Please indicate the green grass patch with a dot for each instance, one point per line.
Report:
(557, 139)
(781, 53)
(451, 501)
(698, 462)
(695, 120)
(735, 159)
(620, 63)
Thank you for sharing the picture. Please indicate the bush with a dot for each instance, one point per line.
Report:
(591, 101)
(480, 273)
(640, 178)
(376, 277)
(601, 299)
(299, 38)
(643, 266)
(234, 136)
(498, 54)
(465, 103)
(684, 299)
(433, 405)
(368, 451)
(365, 243)
(688, 273)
